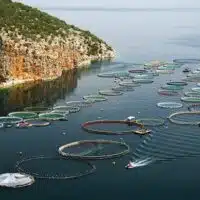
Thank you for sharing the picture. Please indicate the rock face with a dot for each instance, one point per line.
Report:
(27, 53)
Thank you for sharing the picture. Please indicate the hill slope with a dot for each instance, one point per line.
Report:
(35, 45)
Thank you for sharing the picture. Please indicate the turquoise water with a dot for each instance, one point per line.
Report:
(137, 37)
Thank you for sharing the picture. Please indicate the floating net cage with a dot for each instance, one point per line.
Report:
(177, 83)
(165, 71)
(95, 98)
(23, 115)
(194, 107)
(191, 79)
(80, 104)
(128, 84)
(186, 117)
(123, 88)
(37, 109)
(172, 87)
(71, 109)
(114, 127)
(192, 94)
(195, 72)
(16, 180)
(94, 149)
(56, 168)
(10, 120)
(191, 99)
(138, 71)
(143, 76)
(53, 116)
(151, 121)
(196, 89)
(110, 92)
(186, 61)
(169, 105)
(143, 81)
(168, 92)
(114, 74)
(169, 67)
(37, 122)
(62, 112)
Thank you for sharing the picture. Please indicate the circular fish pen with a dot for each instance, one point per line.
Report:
(151, 121)
(128, 84)
(23, 115)
(94, 149)
(53, 116)
(114, 74)
(186, 61)
(194, 107)
(192, 94)
(191, 99)
(123, 88)
(16, 180)
(143, 76)
(37, 109)
(167, 92)
(38, 122)
(130, 124)
(62, 112)
(185, 121)
(167, 67)
(38, 167)
(177, 83)
(95, 98)
(142, 81)
(196, 89)
(10, 120)
(165, 71)
(172, 87)
(110, 92)
(80, 104)
(138, 71)
(71, 109)
(169, 105)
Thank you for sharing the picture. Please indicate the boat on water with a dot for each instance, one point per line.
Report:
(130, 165)
(23, 125)
(186, 70)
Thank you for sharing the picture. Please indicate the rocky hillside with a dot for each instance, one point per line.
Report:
(35, 45)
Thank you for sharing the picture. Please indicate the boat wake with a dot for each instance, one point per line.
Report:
(140, 163)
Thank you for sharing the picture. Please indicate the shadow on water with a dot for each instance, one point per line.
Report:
(38, 93)
(44, 93)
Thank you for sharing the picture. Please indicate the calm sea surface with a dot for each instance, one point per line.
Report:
(137, 37)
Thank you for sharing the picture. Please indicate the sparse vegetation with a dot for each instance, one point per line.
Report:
(31, 22)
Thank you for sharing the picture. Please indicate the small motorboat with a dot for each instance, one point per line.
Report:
(130, 165)
(23, 125)
(142, 131)
(130, 118)
(186, 70)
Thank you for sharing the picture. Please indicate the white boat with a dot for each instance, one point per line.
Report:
(130, 165)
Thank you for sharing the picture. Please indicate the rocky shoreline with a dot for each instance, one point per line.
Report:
(32, 50)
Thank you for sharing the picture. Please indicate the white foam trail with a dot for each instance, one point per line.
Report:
(142, 162)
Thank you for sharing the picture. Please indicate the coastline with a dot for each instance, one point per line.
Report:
(11, 83)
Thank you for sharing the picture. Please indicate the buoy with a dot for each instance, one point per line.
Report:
(64, 133)
(113, 162)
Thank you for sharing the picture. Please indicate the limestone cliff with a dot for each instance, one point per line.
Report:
(35, 45)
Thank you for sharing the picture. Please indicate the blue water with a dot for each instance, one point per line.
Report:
(137, 37)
